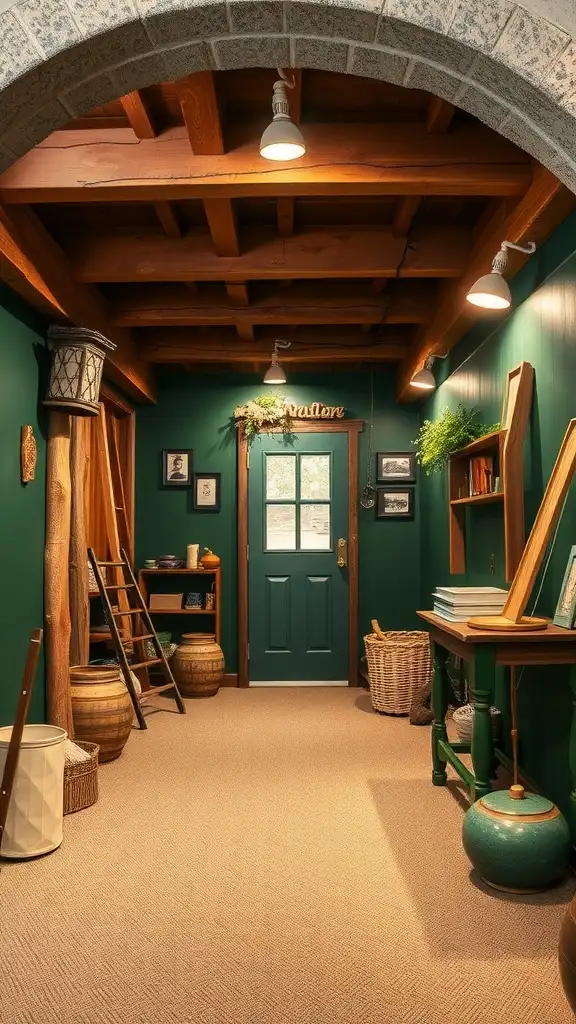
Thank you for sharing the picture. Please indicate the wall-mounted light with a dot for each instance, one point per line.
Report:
(275, 374)
(491, 291)
(282, 139)
(424, 379)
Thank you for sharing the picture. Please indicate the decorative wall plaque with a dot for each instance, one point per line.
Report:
(28, 454)
(316, 411)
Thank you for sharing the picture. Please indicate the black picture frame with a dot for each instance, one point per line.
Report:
(387, 475)
(398, 508)
(201, 505)
(177, 475)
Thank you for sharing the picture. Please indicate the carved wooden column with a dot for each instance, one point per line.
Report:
(79, 601)
(56, 588)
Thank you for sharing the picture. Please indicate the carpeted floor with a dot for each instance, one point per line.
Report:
(275, 857)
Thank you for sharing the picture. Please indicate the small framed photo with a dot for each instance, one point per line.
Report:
(207, 492)
(395, 503)
(177, 467)
(396, 467)
(565, 614)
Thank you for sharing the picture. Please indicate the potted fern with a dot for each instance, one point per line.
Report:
(454, 429)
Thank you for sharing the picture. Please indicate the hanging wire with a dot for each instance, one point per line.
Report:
(368, 492)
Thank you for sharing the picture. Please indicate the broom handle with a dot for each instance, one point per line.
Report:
(18, 728)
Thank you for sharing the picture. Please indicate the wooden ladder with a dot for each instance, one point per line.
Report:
(136, 607)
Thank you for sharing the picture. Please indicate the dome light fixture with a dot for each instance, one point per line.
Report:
(275, 374)
(424, 378)
(491, 291)
(282, 139)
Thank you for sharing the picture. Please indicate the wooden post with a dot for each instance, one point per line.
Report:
(79, 601)
(56, 588)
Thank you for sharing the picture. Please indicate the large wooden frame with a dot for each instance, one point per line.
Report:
(352, 428)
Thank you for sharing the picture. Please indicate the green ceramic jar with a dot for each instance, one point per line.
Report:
(518, 842)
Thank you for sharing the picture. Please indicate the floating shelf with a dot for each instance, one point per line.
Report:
(480, 499)
(481, 444)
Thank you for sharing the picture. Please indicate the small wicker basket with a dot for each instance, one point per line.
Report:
(399, 666)
(81, 780)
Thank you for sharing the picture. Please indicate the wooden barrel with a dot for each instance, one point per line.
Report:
(198, 665)
(101, 708)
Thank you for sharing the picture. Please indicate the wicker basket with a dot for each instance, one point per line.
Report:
(399, 666)
(81, 780)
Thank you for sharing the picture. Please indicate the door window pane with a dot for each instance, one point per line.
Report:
(315, 477)
(280, 477)
(315, 528)
(281, 527)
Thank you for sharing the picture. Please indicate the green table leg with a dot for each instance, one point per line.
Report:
(481, 695)
(572, 755)
(440, 692)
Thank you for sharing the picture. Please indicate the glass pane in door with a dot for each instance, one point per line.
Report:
(281, 527)
(315, 477)
(280, 477)
(315, 527)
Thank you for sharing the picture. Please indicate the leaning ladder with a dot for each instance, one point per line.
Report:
(140, 612)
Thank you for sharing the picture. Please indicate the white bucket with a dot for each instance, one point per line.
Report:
(35, 813)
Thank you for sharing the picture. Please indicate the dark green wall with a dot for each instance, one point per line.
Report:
(194, 412)
(541, 330)
(22, 507)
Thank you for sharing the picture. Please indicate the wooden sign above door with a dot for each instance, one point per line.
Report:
(316, 411)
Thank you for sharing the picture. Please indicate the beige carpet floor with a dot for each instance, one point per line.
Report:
(274, 857)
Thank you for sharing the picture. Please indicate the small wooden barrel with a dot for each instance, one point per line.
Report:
(198, 665)
(101, 708)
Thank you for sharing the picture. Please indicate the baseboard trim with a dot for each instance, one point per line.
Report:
(230, 679)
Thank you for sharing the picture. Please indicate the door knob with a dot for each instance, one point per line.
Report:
(342, 552)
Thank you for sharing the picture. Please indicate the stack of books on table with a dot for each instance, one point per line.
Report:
(460, 603)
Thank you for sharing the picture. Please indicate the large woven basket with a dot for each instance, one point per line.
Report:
(81, 780)
(399, 666)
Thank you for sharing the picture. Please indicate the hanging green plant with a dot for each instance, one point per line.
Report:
(263, 414)
(438, 440)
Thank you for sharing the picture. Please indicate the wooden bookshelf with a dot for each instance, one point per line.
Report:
(145, 576)
(505, 447)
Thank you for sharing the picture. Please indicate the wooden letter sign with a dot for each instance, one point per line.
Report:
(316, 411)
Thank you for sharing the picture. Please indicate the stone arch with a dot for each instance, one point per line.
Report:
(507, 63)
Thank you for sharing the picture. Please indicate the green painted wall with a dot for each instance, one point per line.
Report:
(541, 330)
(22, 507)
(194, 412)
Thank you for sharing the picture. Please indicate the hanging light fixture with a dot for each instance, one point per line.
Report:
(282, 139)
(424, 379)
(275, 374)
(491, 291)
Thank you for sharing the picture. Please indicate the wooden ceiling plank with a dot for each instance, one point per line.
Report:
(168, 219)
(544, 206)
(138, 115)
(285, 216)
(404, 215)
(312, 253)
(82, 304)
(200, 109)
(223, 227)
(238, 294)
(439, 116)
(245, 330)
(230, 351)
(341, 160)
(19, 273)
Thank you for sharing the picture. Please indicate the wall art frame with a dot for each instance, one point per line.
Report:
(177, 467)
(395, 503)
(206, 492)
(396, 467)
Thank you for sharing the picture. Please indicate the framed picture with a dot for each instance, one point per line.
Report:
(566, 608)
(207, 492)
(396, 467)
(177, 467)
(395, 503)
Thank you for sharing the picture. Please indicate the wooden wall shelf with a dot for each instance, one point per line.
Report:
(505, 445)
(146, 575)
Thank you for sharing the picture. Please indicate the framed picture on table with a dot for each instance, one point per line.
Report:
(207, 492)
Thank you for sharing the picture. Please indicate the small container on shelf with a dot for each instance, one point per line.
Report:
(165, 602)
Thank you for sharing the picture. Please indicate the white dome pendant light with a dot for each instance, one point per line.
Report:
(282, 139)
(425, 379)
(275, 374)
(491, 291)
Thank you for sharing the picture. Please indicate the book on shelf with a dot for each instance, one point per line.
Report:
(481, 475)
(456, 596)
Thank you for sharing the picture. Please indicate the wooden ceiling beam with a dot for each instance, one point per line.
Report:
(230, 349)
(138, 115)
(285, 216)
(341, 160)
(404, 215)
(245, 330)
(312, 253)
(439, 116)
(201, 111)
(546, 204)
(18, 272)
(168, 219)
(222, 226)
(238, 294)
(83, 305)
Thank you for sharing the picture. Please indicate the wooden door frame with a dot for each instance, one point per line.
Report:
(353, 429)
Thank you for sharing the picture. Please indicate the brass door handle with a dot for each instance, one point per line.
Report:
(342, 550)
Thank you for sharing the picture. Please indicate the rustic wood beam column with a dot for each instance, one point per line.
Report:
(138, 115)
(79, 600)
(404, 215)
(201, 112)
(56, 585)
(168, 219)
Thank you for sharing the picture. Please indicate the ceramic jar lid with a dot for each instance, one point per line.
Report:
(530, 805)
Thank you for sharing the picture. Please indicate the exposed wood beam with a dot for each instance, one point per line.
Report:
(245, 330)
(439, 116)
(168, 219)
(238, 294)
(312, 253)
(169, 305)
(218, 346)
(378, 285)
(83, 305)
(341, 160)
(21, 275)
(138, 115)
(201, 112)
(404, 215)
(222, 226)
(285, 216)
(546, 204)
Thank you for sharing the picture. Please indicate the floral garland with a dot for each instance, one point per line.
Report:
(262, 414)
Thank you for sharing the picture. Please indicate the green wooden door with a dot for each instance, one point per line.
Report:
(298, 596)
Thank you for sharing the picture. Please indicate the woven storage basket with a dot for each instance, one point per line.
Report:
(398, 667)
(81, 780)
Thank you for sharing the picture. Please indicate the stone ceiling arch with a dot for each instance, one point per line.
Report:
(507, 63)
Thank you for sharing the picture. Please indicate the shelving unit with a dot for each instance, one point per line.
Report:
(146, 575)
(505, 447)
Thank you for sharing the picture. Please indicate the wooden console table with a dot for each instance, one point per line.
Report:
(485, 650)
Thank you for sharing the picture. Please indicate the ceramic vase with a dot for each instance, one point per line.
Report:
(101, 708)
(516, 844)
(210, 560)
(198, 665)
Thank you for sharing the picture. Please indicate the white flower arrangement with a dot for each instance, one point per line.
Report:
(262, 414)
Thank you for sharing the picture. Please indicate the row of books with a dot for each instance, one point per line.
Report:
(481, 478)
(457, 604)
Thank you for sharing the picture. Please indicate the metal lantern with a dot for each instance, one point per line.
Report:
(77, 361)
